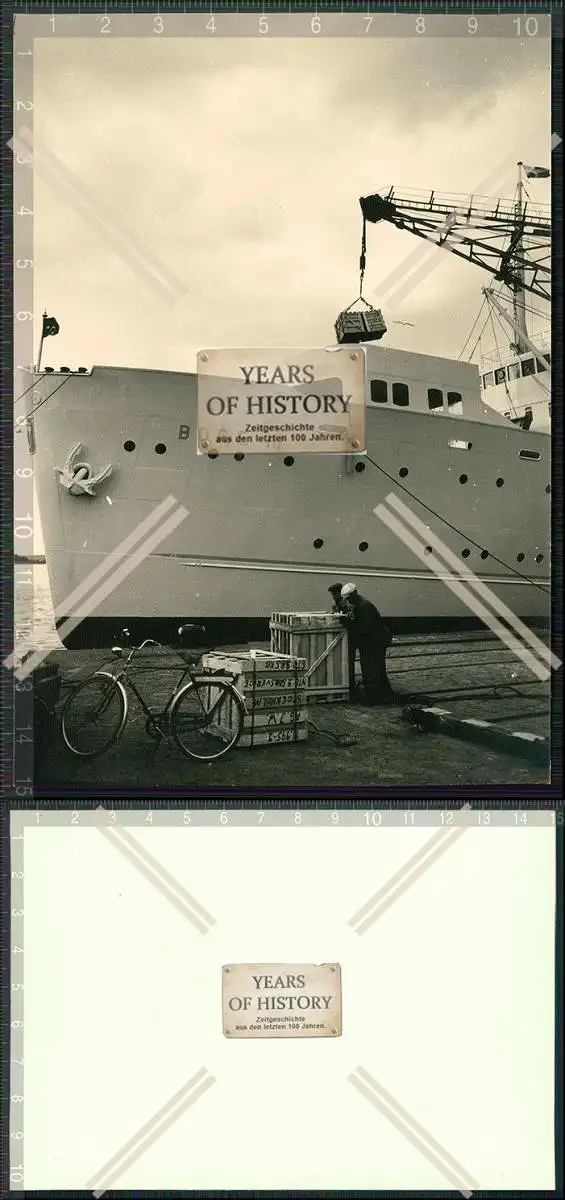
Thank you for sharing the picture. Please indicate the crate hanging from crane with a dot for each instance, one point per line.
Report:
(367, 326)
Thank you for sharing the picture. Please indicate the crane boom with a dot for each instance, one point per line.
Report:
(482, 231)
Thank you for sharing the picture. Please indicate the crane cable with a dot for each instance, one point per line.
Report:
(525, 578)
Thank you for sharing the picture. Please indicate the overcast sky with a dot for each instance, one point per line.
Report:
(239, 165)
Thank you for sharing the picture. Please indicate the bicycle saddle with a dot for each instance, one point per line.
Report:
(188, 631)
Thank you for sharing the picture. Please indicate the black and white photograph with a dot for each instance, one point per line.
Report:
(283, 440)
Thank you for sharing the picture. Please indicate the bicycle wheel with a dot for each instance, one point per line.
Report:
(207, 718)
(94, 715)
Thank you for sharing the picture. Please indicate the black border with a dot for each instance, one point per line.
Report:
(551, 791)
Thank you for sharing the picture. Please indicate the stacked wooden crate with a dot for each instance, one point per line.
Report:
(321, 639)
(274, 689)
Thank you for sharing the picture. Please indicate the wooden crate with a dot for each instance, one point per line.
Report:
(321, 640)
(366, 326)
(274, 690)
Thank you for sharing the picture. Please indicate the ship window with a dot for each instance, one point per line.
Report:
(160, 448)
(539, 558)
(454, 398)
(403, 472)
(488, 379)
(435, 398)
(465, 553)
(484, 554)
(455, 444)
(520, 557)
(129, 446)
(528, 367)
(363, 546)
(400, 394)
(288, 461)
(239, 457)
(318, 543)
(379, 391)
(513, 371)
(359, 467)
(499, 375)
(533, 454)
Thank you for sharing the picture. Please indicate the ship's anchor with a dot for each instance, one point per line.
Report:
(78, 477)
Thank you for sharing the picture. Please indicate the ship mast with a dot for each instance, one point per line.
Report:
(520, 346)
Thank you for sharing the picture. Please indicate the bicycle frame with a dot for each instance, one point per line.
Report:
(124, 680)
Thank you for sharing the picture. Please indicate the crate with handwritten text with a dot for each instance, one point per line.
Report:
(273, 687)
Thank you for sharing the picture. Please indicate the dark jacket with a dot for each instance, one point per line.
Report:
(364, 622)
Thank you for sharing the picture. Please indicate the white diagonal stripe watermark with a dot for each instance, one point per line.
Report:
(149, 1133)
(402, 880)
(464, 583)
(67, 185)
(165, 883)
(119, 573)
(415, 1133)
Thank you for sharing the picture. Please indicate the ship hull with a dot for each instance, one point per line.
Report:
(257, 534)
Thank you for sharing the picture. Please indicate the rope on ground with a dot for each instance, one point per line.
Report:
(340, 739)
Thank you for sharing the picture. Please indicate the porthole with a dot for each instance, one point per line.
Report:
(465, 553)
(318, 543)
(548, 489)
(363, 546)
(160, 448)
(520, 557)
(463, 478)
(427, 550)
(500, 482)
(484, 553)
(288, 461)
(359, 467)
(213, 454)
(239, 457)
(403, 472)
(539, 558)
(129, 446)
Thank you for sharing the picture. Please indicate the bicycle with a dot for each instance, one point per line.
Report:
(202, 704)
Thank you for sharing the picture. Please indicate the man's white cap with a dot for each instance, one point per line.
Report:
(347, 590)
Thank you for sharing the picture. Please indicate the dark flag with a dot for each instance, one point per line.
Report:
(50, 326)
(536, 172)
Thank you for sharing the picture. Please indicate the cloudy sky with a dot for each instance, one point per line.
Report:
(238, 164)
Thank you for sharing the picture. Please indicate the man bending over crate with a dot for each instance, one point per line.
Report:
(341, 608)
(368, 634)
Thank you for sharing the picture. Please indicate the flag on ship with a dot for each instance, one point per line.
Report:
(50, 326)
(536, 172)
